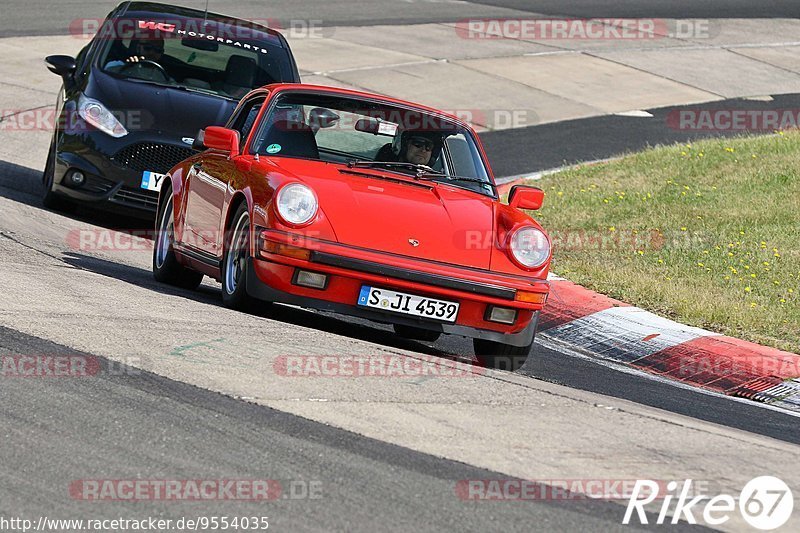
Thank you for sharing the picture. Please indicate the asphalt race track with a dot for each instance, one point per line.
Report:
(595, 138)
(377, 485)
(187, 390)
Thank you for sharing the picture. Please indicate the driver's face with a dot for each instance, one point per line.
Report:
(419, 151)
(152, 50)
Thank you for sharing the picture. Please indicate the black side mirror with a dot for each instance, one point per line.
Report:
(62, 65)
(199, 141)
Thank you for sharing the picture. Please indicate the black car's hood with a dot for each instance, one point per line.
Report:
(173, 113)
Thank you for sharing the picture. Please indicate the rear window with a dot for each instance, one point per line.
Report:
(197, 60)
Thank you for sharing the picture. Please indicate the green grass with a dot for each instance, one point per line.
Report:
(707, 234)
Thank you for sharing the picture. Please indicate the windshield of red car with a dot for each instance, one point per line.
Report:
(343, 129)
(196, 57)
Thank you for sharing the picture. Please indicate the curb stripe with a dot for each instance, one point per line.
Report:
(773, 391)
(750, 390)
(722, 363)
(598, 326)
(568, 302)
(625, 334)
(786, 395)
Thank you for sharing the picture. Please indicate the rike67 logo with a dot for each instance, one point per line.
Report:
(765, 503)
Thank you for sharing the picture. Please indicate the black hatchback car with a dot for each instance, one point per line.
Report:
(137, 94)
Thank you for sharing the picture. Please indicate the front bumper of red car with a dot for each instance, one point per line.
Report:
(279, 257)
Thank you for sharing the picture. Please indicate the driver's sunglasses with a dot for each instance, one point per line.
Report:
(422, 144)
(152, 48)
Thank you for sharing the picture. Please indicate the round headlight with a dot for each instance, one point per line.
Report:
(530, 247)
(296, 204)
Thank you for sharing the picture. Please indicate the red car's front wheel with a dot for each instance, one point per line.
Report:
(234, 262)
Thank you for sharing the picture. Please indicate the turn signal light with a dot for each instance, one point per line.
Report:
(531, 297)
(286, 250)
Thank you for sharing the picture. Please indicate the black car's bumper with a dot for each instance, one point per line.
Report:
(114, 167)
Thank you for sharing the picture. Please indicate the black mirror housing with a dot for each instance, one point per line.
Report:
(62, 65)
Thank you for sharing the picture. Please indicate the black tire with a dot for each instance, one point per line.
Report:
(166, 268)
(492, 354)
(420, 334)
(234, 262)
(50, 199)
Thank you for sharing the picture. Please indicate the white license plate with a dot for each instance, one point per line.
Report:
(152, 180)
(408, 304)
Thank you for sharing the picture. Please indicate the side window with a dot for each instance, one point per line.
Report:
(246, 117)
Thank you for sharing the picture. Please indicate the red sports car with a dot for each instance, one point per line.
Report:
(360, 204)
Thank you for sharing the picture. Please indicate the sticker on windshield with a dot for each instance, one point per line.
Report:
(274, 148)
(387, 128)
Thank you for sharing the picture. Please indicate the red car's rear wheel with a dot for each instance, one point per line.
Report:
(166, 268)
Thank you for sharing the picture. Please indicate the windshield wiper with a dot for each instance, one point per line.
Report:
(419, 169)
(421, 172)
(180, 87)
(434, 173)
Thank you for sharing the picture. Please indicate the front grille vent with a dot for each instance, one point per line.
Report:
(155, 157)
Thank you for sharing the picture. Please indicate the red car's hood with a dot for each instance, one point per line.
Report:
(387, 212)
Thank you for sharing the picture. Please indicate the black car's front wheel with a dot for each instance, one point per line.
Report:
(50, 199)
(166, 268)
(492, 354)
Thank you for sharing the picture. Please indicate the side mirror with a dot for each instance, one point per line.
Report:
(62, 65)
(199, 141)
(319, 117)
(367, 125)
(523, 197)
(218, 138)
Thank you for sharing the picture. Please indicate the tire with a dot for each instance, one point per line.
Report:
(166, 268)
(234, 262)
(419, 334)
(492, 354)
(50, 199)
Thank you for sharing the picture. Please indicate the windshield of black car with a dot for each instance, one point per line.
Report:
(344, 129)
(198, 61)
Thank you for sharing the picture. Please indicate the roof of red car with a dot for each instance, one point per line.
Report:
(362, 94)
